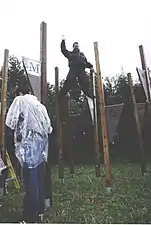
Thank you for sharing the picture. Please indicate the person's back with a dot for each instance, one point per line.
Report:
(35, 115)
(32, 126)
(29, 120)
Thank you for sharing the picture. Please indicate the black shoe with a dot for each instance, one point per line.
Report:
(23, 220)
(19, 221)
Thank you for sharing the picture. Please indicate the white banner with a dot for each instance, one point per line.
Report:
(33, 70)
(141, 74)
(113, 116)
(91, 107)
(33, 67)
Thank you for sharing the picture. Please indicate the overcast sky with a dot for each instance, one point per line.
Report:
(119, 26)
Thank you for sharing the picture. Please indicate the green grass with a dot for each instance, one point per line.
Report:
(84, 199)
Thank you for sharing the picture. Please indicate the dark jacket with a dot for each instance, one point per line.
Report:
(77, 59)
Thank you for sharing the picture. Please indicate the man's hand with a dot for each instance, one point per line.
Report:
(63, 37)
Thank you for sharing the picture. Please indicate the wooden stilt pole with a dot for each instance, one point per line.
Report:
(69, 135)
(59, 126)
(95, 127)
(3, 103)
(102, 117)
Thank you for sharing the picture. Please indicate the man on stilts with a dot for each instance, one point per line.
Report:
(77, 65)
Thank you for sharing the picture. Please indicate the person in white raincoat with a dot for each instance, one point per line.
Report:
(29, 120)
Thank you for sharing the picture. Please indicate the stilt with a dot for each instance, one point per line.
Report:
(95, 127)
(59, 126)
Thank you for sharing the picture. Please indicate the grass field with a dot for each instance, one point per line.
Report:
(83, 198)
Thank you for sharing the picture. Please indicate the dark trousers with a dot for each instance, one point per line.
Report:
(83, 81)
(33, 204)
(48, 183)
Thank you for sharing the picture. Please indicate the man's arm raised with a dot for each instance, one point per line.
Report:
(64, 51)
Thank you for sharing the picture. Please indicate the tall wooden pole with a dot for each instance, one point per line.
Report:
(95, 127)
(3, 102)
(143, 165)
(3, 112)
(44, 101)
(59, 126)
(102, 116)
(43, 59)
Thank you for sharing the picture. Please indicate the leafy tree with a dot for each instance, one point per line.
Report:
(109, 90)
(16, 76)
(116, 89)
(122, 92)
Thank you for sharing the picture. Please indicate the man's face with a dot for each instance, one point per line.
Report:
(76, 46)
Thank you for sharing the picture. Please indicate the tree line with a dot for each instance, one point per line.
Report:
(116, 91)
(116, 88)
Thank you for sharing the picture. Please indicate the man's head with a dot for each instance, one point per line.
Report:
(76, 46)
(21, 90)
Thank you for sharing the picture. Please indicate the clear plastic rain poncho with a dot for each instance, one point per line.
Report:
(31, 124)
(2, 165)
